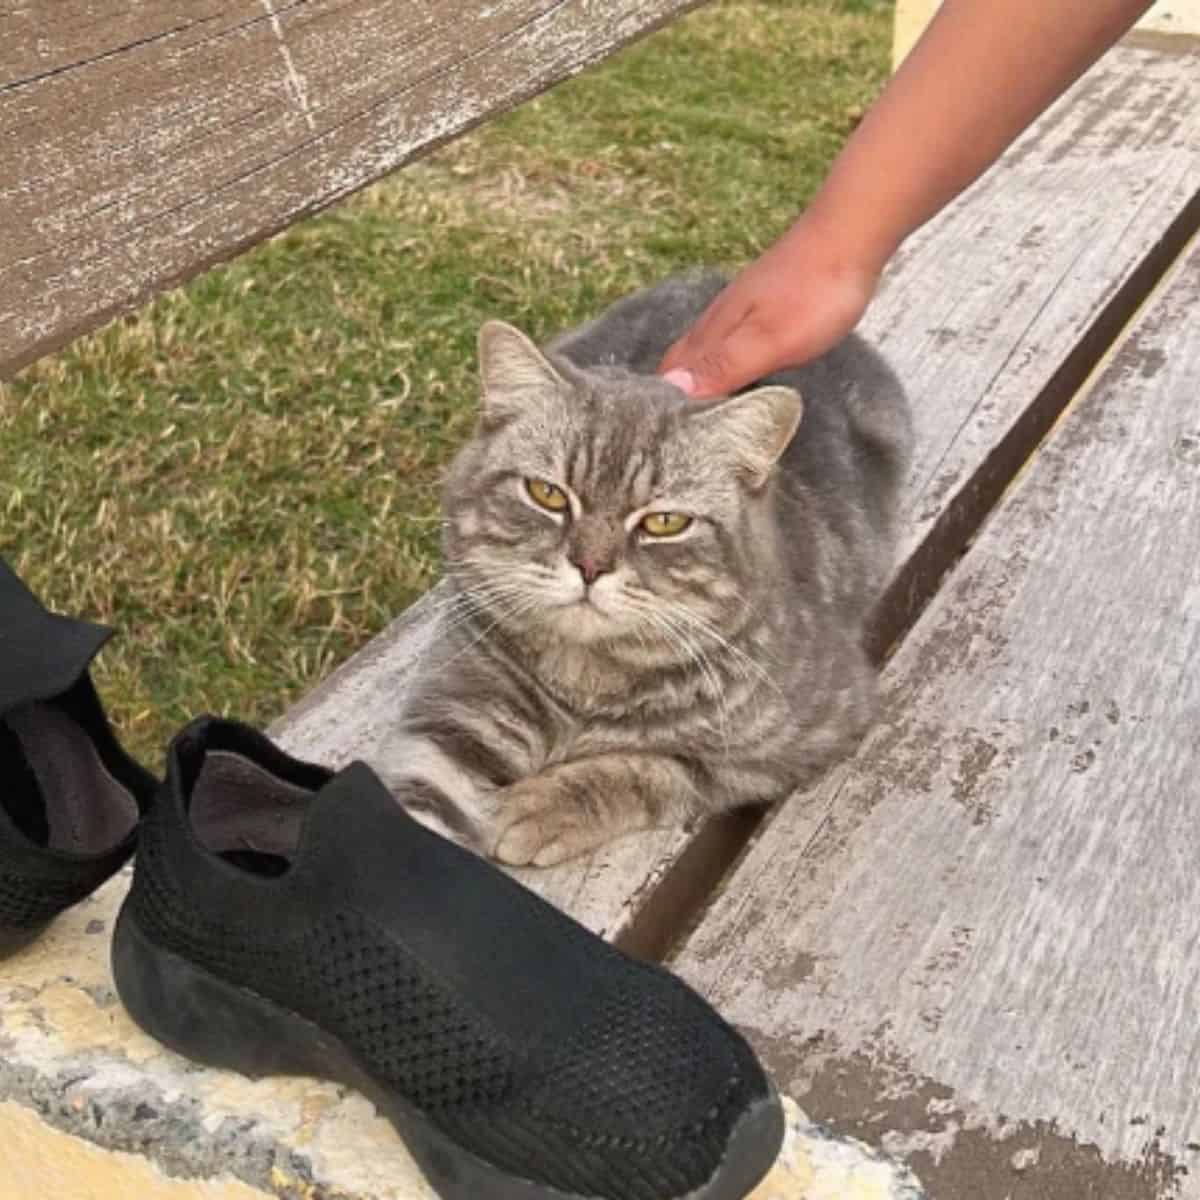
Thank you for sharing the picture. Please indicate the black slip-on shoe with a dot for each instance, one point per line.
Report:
(284, 919)
(70, 796)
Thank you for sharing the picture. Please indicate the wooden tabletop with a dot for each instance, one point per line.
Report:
(141, 143)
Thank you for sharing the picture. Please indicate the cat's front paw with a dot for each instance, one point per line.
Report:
(537, 829)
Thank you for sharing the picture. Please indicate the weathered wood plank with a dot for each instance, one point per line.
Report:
(981, 937)
(992, 316)
(137, 150)
(82, 31)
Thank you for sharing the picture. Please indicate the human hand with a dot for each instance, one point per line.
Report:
(790, 305)
(980, 73)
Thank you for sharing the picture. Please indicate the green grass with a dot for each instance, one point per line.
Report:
(243, 476)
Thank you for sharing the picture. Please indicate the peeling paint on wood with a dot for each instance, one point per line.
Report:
(138, 149)
(979, 940)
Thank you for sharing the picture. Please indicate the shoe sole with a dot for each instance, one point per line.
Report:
(206, 1019)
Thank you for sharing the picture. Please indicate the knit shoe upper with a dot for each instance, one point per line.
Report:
(69, 795)
(521, 1036)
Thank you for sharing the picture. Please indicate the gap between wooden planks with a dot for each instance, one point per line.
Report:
(136, 151)
(980, 938)
(992, 315)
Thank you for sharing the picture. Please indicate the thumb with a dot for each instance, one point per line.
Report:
(718, 366)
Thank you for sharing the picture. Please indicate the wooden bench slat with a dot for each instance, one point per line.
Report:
(983, 317)
(82, 32)
(188, 132)
(990, 919)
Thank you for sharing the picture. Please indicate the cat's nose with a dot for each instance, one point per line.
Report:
(590, 567)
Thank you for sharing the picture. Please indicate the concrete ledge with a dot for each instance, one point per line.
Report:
(93, 1109)
(39, 1160)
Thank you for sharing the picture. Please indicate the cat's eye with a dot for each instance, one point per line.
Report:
(665, 524)
(547, 494)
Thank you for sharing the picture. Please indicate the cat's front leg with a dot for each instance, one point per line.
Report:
(572, 807)
(441, 793)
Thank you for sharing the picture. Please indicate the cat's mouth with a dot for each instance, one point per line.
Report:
(586, 603)
(585, 612)
(580, 598)
(585, 618)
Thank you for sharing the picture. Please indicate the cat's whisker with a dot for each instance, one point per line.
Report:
(701, 627)
(695, 653)
(455, 602)
(750, 668)
(736, 660)
(528, 580)
(716, 686)
(489, 600)
(753, 676)
(466, 602)
(515, 610)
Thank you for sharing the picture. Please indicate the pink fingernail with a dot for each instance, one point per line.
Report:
(681, 378)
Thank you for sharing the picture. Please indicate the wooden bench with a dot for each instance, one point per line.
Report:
(978, 943)
(974, 945)
(993, 317)
(889, 939)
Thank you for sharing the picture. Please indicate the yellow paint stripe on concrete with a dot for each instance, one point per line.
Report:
(38, 1162)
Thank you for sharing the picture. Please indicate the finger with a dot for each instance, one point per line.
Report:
(684, 363)
(681, 378)
(675, 356)
(717, 321)
(720, 367)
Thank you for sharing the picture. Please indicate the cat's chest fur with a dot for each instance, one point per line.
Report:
(595, 704)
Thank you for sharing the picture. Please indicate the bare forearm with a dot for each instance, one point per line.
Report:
(983, 71)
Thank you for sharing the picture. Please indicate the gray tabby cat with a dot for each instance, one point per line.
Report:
(653, 608)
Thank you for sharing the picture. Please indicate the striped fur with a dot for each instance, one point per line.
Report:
(720, 668)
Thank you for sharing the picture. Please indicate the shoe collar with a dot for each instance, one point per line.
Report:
(41, 653)
(349, 827)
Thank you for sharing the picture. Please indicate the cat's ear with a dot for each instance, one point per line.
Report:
(755, 428)
(513, 372)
